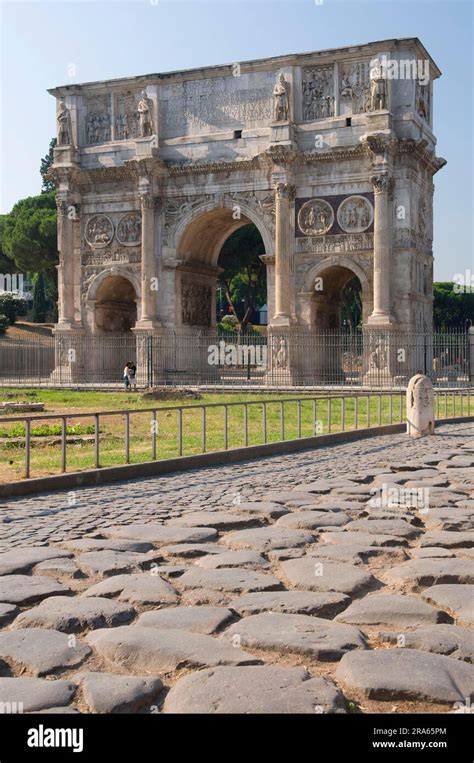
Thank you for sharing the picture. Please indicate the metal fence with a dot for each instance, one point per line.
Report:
(159, 433)
(284, 359)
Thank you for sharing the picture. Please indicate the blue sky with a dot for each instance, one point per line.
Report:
(42, 43)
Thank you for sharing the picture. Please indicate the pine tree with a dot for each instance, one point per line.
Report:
(39, 299)
(46, 163)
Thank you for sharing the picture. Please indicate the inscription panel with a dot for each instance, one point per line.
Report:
(203, 106)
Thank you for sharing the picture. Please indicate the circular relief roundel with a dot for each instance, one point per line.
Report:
(99, 231)
(315, 217)
(129, 229)
(355, 214)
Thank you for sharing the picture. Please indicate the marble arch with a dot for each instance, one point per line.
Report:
(297, 143)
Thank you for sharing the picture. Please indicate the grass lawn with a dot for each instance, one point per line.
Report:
(305, 420)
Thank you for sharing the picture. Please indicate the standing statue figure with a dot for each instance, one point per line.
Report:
(64, 125)
(281, 104)
(145, 108)
(378, 87)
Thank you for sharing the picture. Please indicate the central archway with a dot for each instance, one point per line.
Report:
(200, 238)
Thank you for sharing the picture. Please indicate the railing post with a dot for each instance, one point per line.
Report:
(96, 440)
(246, 427)
(329, 415)
(368, 411)
(282, 421)
(401, 408)
(343, 413)
(380, 408)
(264, 422)
(63, 443)
(180, 431)
(356, 412)
(127, 438)
(27, 447)
(203, 429)
(154, 427)
(225, 428)
(390, 405)
(299, 418)
(314, 416)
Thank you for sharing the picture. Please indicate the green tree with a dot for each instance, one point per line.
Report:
(351, 304)
(12, 306)
(452, 309)
(29, 235)
(39, 299)
(243, 273)
(46, 162)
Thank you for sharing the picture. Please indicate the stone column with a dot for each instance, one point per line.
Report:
(284, 195)
(381, 315)
(149, 279)
(66, 216)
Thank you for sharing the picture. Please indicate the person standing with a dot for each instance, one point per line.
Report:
(132, 375)
(126, 377)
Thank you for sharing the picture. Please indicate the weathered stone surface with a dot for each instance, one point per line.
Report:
(310, 520)
(84, 545)
(263, 689)
(265, 538)
(397, 528)
(355, 553)
(326, 485)
(391, 609)
(295, 634)
(221, 520)
(283, 496)
(450, 640)
(228, 580)
(428, 572)
(404, 476)
(397, 674)
(196, 619)
(22, 559)
(291, 602)
(109, 562)
(431, 552)
(109, 693)
(23, 589)
(145, 588)
(160, 535)
(458, 600)
(250, 560)
(321, 575)
(62, 567)
(155, 650)
(72, 615)
(265, 509)
(371, 539)
(450, 519)
(7, 613)
(40, 650)
(448, 539)
(35, 693)
(190, 550)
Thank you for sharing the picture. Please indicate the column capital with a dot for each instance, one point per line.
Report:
(285, 190)
(148, 201)
(383, 183)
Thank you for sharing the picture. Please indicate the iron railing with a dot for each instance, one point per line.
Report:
(366, 358)
(201, 428)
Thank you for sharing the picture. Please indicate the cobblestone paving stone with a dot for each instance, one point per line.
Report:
(285, 584)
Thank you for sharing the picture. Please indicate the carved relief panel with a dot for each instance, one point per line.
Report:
(318, 93)
(423, 100)
(354, 88)
(355, 214)
(334, 215)
(126, 116)
(98, 119)
(196, 303)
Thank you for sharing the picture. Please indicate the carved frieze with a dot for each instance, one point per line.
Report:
(315, 218)
(109, 257)
(355, 214)
(129, 229)
(99, 231)
(352, 242)
(318, 93)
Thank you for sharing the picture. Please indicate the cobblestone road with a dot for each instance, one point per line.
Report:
(336, 580)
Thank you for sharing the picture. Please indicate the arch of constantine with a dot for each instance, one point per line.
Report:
(330, 154)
